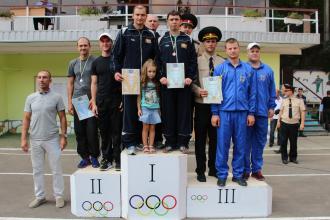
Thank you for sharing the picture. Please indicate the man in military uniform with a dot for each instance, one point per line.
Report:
(209, 36)
(188, 24)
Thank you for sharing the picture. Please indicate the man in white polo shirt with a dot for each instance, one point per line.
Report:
(40, 113)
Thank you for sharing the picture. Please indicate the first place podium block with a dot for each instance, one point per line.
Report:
(207, 200)
(154, 186)
(95, 193)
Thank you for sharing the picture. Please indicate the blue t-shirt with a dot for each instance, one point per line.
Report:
(150, 98)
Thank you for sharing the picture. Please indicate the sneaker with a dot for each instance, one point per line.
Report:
(131, 150)
(105, 165)
(258, 175)
(84, 163)
(167, 149)
(240, 181)
(246, 176)
(159, 145)
(221, 182)
(139, 147)
(184, 149)
(95, 162)
(60, 203)
(37, 202)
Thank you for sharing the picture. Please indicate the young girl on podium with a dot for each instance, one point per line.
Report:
(148, 105)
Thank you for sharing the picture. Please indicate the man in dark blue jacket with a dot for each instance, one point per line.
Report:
(265, 104)
(134, 45)
(176, 47)
(234, 113)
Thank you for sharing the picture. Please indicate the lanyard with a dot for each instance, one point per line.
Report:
(83, 70)
(175, 53)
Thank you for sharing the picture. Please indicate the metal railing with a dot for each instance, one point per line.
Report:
(222, 14)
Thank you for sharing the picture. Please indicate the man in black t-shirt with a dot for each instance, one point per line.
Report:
(106, 104)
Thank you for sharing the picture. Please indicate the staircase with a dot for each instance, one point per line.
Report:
(313, 126)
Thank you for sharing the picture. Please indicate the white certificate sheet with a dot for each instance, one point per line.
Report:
(131, 82)
(81, 104)
(213, 85)
(175, 75)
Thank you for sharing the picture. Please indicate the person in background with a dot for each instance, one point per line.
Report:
(301, 96)
(326, 110)
(48, 12)
(209, 36)
(152, 22)
(292, 110)
(40, 111)
(273, 122)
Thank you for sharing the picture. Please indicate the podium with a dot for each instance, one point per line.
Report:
(95, 193)
(154, 186)
(207, 200)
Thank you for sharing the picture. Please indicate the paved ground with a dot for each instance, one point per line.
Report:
(299, 191)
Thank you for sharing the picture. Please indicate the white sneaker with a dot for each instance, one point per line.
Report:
(37, 202)
(131, 150)
(60, 203)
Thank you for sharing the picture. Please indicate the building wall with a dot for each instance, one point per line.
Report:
(3, 101)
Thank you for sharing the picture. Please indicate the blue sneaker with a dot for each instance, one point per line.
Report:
(131, 150)
(84, 163)
(95, 162)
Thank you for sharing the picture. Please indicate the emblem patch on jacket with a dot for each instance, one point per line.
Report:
(242, 78)
(148, 41)
(184, 45)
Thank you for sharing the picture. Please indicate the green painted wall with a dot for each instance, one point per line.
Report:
(3, 97)
(17, 73)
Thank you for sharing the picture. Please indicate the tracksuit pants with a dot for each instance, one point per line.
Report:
(87, 137)
(110, 125)
(232, 126)
(176, 106)
(255, 143)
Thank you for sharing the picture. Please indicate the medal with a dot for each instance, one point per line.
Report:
(81, 80)
(174, 54)
(82, 70)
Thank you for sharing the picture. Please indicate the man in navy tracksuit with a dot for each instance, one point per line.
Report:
(176, 47)
(134, 45)
(265, 104)
(234, 113)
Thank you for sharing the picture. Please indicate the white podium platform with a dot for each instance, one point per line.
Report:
(154, 186)
(207, 200)
(95, 193)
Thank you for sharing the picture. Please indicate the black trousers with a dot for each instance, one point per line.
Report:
(132, 128)
(176, 105)
(273, 124)
(110, 125)
(86, 137)
(44, 21)
(326, 118)
(204, 130)
(289, 132)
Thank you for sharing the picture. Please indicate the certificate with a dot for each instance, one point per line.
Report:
(131, 82)
(213, 85)
(81, 106)
(175, 75)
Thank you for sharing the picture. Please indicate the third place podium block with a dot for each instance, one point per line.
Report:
(154, 185)
(207, 200)
(95, 193)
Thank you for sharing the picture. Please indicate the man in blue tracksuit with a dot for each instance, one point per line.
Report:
(234, 113)
(265, 104)
(134, 45)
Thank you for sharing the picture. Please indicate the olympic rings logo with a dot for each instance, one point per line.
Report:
(102, 209)
(199, 198)
(160, 206)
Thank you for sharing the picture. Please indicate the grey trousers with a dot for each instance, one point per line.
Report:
(38, 151)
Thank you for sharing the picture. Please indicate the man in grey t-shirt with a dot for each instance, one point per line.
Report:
(79, 84)
(40, 113)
